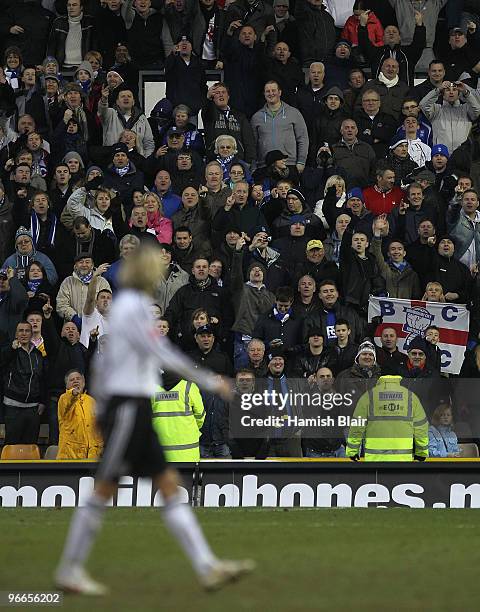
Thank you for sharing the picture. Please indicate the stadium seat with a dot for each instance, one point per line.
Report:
(20, 452)
(51, 452)
(2, 432)
(469, 450)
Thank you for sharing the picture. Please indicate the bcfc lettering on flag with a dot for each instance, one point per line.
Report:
(411, 318)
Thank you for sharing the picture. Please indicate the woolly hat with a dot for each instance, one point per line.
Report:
(92, 168)
(355, 192)
(272, 156)
(417, 343)
(73, 155)
(397, 140)
(366, 347)
(297, 193)
(119, 147)
(298, 219)
(117, 73)
(440, 149)
(23, 231)
(276, 352)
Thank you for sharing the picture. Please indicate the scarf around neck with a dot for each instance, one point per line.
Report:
(387, 82)
(283, 318)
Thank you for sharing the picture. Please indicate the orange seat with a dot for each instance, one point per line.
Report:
(21, 452)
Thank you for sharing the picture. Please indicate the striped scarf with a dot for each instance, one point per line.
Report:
(35, 228)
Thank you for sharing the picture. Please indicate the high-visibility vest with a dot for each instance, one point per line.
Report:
(391, 422)
(178, 415)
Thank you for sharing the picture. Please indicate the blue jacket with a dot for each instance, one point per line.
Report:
(19, 263)
(441, 441)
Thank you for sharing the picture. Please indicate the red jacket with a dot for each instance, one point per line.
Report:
(374, 29)
(379, 202)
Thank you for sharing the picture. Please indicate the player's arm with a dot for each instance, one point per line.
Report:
(169, 357)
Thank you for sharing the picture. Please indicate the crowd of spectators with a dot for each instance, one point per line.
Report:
(324, 173)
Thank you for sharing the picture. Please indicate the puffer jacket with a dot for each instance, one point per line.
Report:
(318, 32)
(24, 375)
(441, 441)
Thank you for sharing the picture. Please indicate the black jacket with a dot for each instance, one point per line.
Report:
(305, 364)
(185, 83)
(317, 32)
(62, 356)
(187, 299)
(58, 37)
(215, 428)
(407, 56)
(214, 360)
(268, 328)
(339, 311)
(360, 278)
(113, 32)
(382, 128)
(145, 39)
(216, 123)
(12, 306)
(23, 375)
(36, 21)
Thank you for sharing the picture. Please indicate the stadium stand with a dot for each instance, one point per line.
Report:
(288, 179)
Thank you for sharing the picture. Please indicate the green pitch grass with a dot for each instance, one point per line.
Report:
(375, 560)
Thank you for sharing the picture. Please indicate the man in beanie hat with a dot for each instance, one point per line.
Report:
(454, 276)
(285, 440)
(297, 205)
(399, 158)
(421, 375)
(251, 300)
(25, 254)
(125, 116)
(123, 176)
(363, 375)
(314, 355)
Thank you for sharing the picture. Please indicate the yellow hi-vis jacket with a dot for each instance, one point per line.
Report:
(178, 415)
(391, 421)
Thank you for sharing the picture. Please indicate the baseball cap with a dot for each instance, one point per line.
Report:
(175, 130)
(204, 329)
(456, 30)
(314, 244)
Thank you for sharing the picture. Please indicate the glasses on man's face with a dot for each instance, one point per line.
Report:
(25, 241)
(236, 173)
